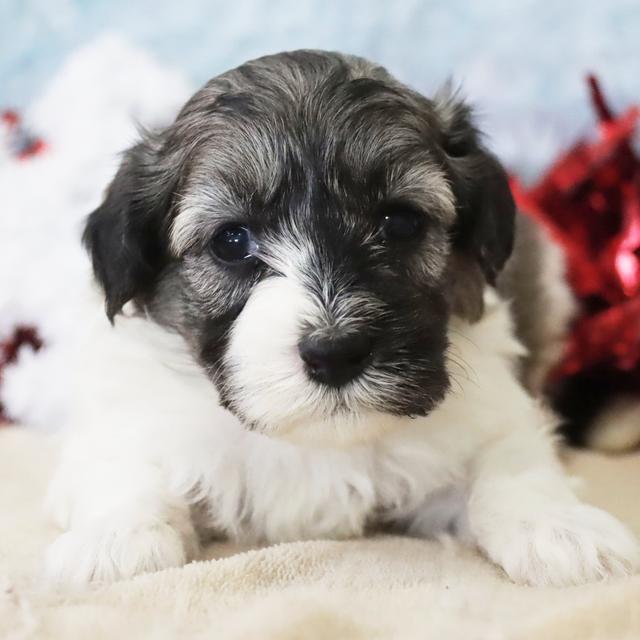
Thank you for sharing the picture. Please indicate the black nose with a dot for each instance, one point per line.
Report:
(336, 360)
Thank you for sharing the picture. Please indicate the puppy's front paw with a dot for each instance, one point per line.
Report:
(103, 552)
(564, 545)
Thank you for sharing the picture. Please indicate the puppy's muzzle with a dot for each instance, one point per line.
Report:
(335, 360)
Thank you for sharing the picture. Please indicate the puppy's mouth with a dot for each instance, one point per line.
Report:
(338, 390)
(359, 403)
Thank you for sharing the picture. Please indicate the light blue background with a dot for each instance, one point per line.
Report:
(522, 61)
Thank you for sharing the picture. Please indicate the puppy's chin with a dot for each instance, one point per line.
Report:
(340, 430)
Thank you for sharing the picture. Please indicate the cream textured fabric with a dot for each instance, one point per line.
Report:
(384, 587)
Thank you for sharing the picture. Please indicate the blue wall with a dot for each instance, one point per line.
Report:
(519, 60)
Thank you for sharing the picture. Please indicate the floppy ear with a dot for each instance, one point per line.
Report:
(126, 234)
(484, 231)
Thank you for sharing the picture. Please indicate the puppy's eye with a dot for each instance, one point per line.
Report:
(233, 244)
(402, 225)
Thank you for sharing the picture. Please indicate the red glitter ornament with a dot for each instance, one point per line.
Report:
(590, 202)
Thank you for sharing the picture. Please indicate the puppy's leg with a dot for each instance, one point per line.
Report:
(143, 410)
(120, 517)
(524, 516)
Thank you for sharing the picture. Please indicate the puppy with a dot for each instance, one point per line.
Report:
(307, 339)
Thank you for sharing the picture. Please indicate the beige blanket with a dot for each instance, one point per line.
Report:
(385, 587)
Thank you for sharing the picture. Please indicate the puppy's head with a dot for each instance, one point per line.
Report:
(308, 224)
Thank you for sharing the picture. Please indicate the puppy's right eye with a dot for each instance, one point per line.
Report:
(401, 223)
(233, 244)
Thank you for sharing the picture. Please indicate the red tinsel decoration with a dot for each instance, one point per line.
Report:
(9, 352)
(22, 144)
(590, 202)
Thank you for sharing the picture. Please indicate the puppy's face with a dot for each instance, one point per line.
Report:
(308, 224)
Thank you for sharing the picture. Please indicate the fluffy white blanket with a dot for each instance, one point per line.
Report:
(383, 587)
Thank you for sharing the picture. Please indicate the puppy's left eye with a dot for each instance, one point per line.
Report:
(233, 244)
(402, 225)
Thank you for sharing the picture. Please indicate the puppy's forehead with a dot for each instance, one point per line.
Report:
(284, 129)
